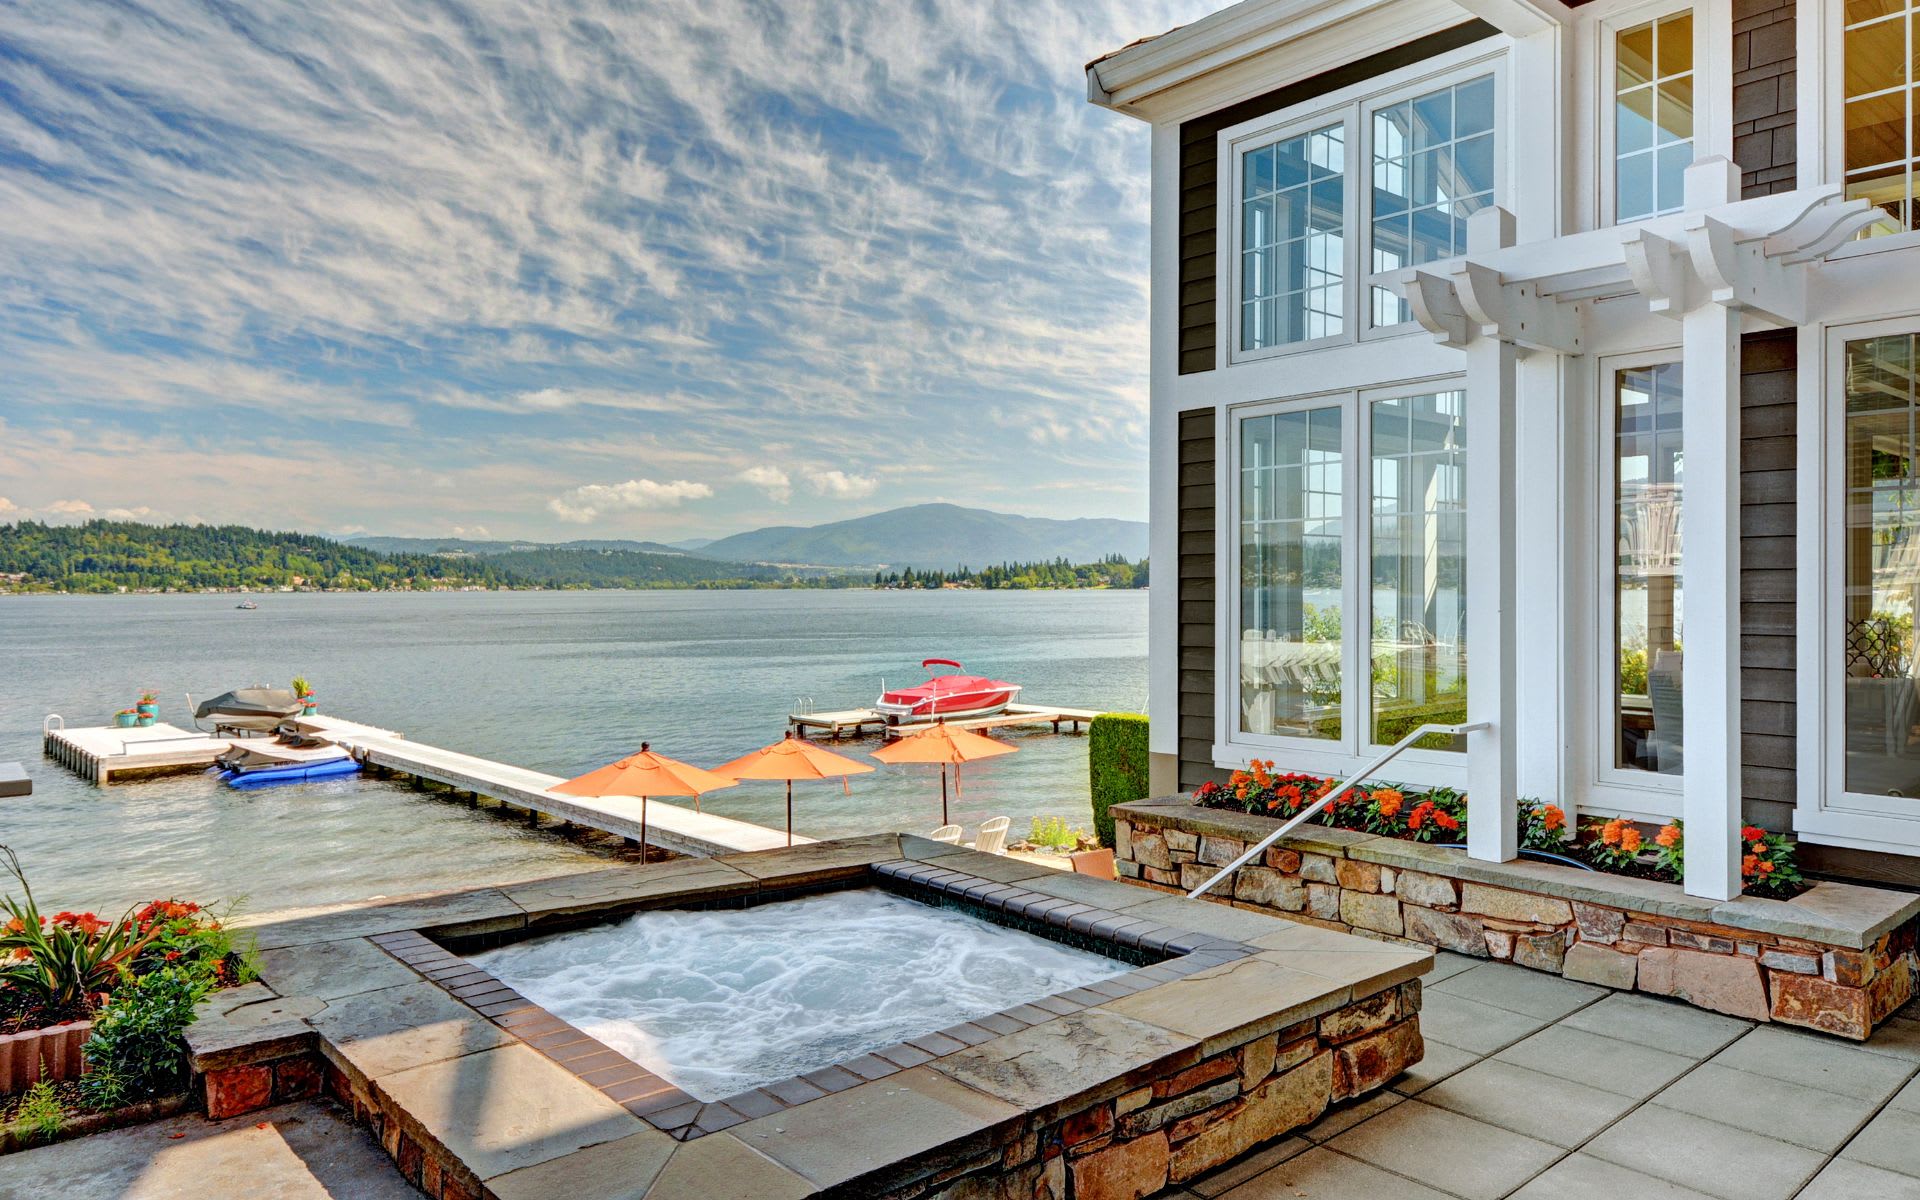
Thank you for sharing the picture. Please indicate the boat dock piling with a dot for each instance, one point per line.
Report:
(855, 722)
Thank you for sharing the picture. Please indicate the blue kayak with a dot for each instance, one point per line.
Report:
(295, 772)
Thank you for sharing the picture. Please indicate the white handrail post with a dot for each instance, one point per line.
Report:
(1341, 789)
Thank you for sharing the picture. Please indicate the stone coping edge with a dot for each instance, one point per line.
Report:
(1849, 915)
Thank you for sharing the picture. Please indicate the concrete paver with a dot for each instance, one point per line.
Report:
(1447, 1151)
(1623, 1097)
(1772, 1108)
(1706, 1155)
(304, 1151)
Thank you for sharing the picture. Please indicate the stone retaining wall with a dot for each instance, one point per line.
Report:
(1839, 959)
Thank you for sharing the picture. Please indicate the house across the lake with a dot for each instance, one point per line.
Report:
(1549, 367)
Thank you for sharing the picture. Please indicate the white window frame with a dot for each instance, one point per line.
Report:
(1826, 813)
(1353, 107)
(1349, 262)
(1610, 787)
(1705, 78)
(1235, 747)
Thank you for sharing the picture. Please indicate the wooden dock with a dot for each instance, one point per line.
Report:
(856, 722)
(669, 825)
(108, 753)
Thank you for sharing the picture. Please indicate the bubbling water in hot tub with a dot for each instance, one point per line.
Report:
(721, 1001)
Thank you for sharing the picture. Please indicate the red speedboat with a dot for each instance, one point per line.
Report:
(952, 695)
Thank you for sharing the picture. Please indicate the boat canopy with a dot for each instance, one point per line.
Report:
(258, 708)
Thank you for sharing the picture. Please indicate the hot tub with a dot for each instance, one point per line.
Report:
(728, 1000)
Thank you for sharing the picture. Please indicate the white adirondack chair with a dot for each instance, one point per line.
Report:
(946, 833)
(992, 838)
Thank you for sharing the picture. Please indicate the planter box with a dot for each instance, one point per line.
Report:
(1838, 958)
(56, 1049)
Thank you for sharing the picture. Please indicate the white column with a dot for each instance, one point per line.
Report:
(1710, 573)
(1492, 378)
(1163, 466)
(1540, 591)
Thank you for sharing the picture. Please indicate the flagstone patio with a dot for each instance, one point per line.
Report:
(1546, 1089)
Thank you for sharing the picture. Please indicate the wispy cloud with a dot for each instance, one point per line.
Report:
(502, 235)
(777, 484)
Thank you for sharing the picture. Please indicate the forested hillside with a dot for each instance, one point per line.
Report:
(105, 556)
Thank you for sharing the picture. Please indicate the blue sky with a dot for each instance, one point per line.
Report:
(662, 268)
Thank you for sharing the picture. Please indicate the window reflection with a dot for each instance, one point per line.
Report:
(1419, 648)
(1290, 579)
(1432, 169)
(1293, 240)
(1882, 579)
(1878, 55)
(1648, 608)
(1653, 116)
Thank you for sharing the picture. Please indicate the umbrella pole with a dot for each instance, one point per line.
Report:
(943, 793)
(789, 812)
(643, 831)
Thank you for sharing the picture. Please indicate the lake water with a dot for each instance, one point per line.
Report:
(556, 681)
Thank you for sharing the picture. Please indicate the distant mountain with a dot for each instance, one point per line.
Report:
(935, 537)
(451, 545)
(691, 543)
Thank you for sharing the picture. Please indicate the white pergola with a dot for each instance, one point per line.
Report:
(1705, 267)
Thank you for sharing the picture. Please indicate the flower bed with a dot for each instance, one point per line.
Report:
(103, 1002)
(1837, 957)
(1617, 846)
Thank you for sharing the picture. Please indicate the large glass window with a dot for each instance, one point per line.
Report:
(1291, 484)
(1879, 48)
(1882, 579)
(1649, 468)
(1652, 116)
(1293, 239)
(1433, 167)
(1419, 653)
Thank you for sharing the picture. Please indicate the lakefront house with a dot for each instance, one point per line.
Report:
(1548, 368)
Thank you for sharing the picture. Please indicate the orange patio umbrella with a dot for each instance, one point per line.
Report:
(792, 758)
(942, 743)
(642, 775)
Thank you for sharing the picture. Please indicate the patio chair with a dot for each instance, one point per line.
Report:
(946, 833)
(992, 838)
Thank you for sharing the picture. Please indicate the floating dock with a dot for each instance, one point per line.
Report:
(669, 825)
(106, 753)
(109, 754)
(855, 722)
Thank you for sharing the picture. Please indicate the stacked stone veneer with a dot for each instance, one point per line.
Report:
(1839, 959)
(1183, 1118)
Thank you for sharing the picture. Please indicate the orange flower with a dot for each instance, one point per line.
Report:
(1668, 835)
(1610, 832)
(1766, 868)
(1759, 847)
(1444, 819)
(1630, 840)
(1747, 865)
(1552, 817)
(16, 926)
(1389, 801)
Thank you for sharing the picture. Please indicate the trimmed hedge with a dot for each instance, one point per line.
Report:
(1116, 766)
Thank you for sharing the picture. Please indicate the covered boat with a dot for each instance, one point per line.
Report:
(953, 695)
(250, 710)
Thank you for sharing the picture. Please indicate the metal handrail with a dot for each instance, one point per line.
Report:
(1301, 817)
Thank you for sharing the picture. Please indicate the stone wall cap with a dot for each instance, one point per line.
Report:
(1837, 914)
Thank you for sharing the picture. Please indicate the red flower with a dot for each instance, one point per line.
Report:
(1444, 819)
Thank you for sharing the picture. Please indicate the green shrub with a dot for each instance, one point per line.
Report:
(1052, 832)
(136, 1049)
(1116, 766)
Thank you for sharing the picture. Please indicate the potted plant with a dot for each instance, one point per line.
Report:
(149, 705)
(126, 718)
(303, 691)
